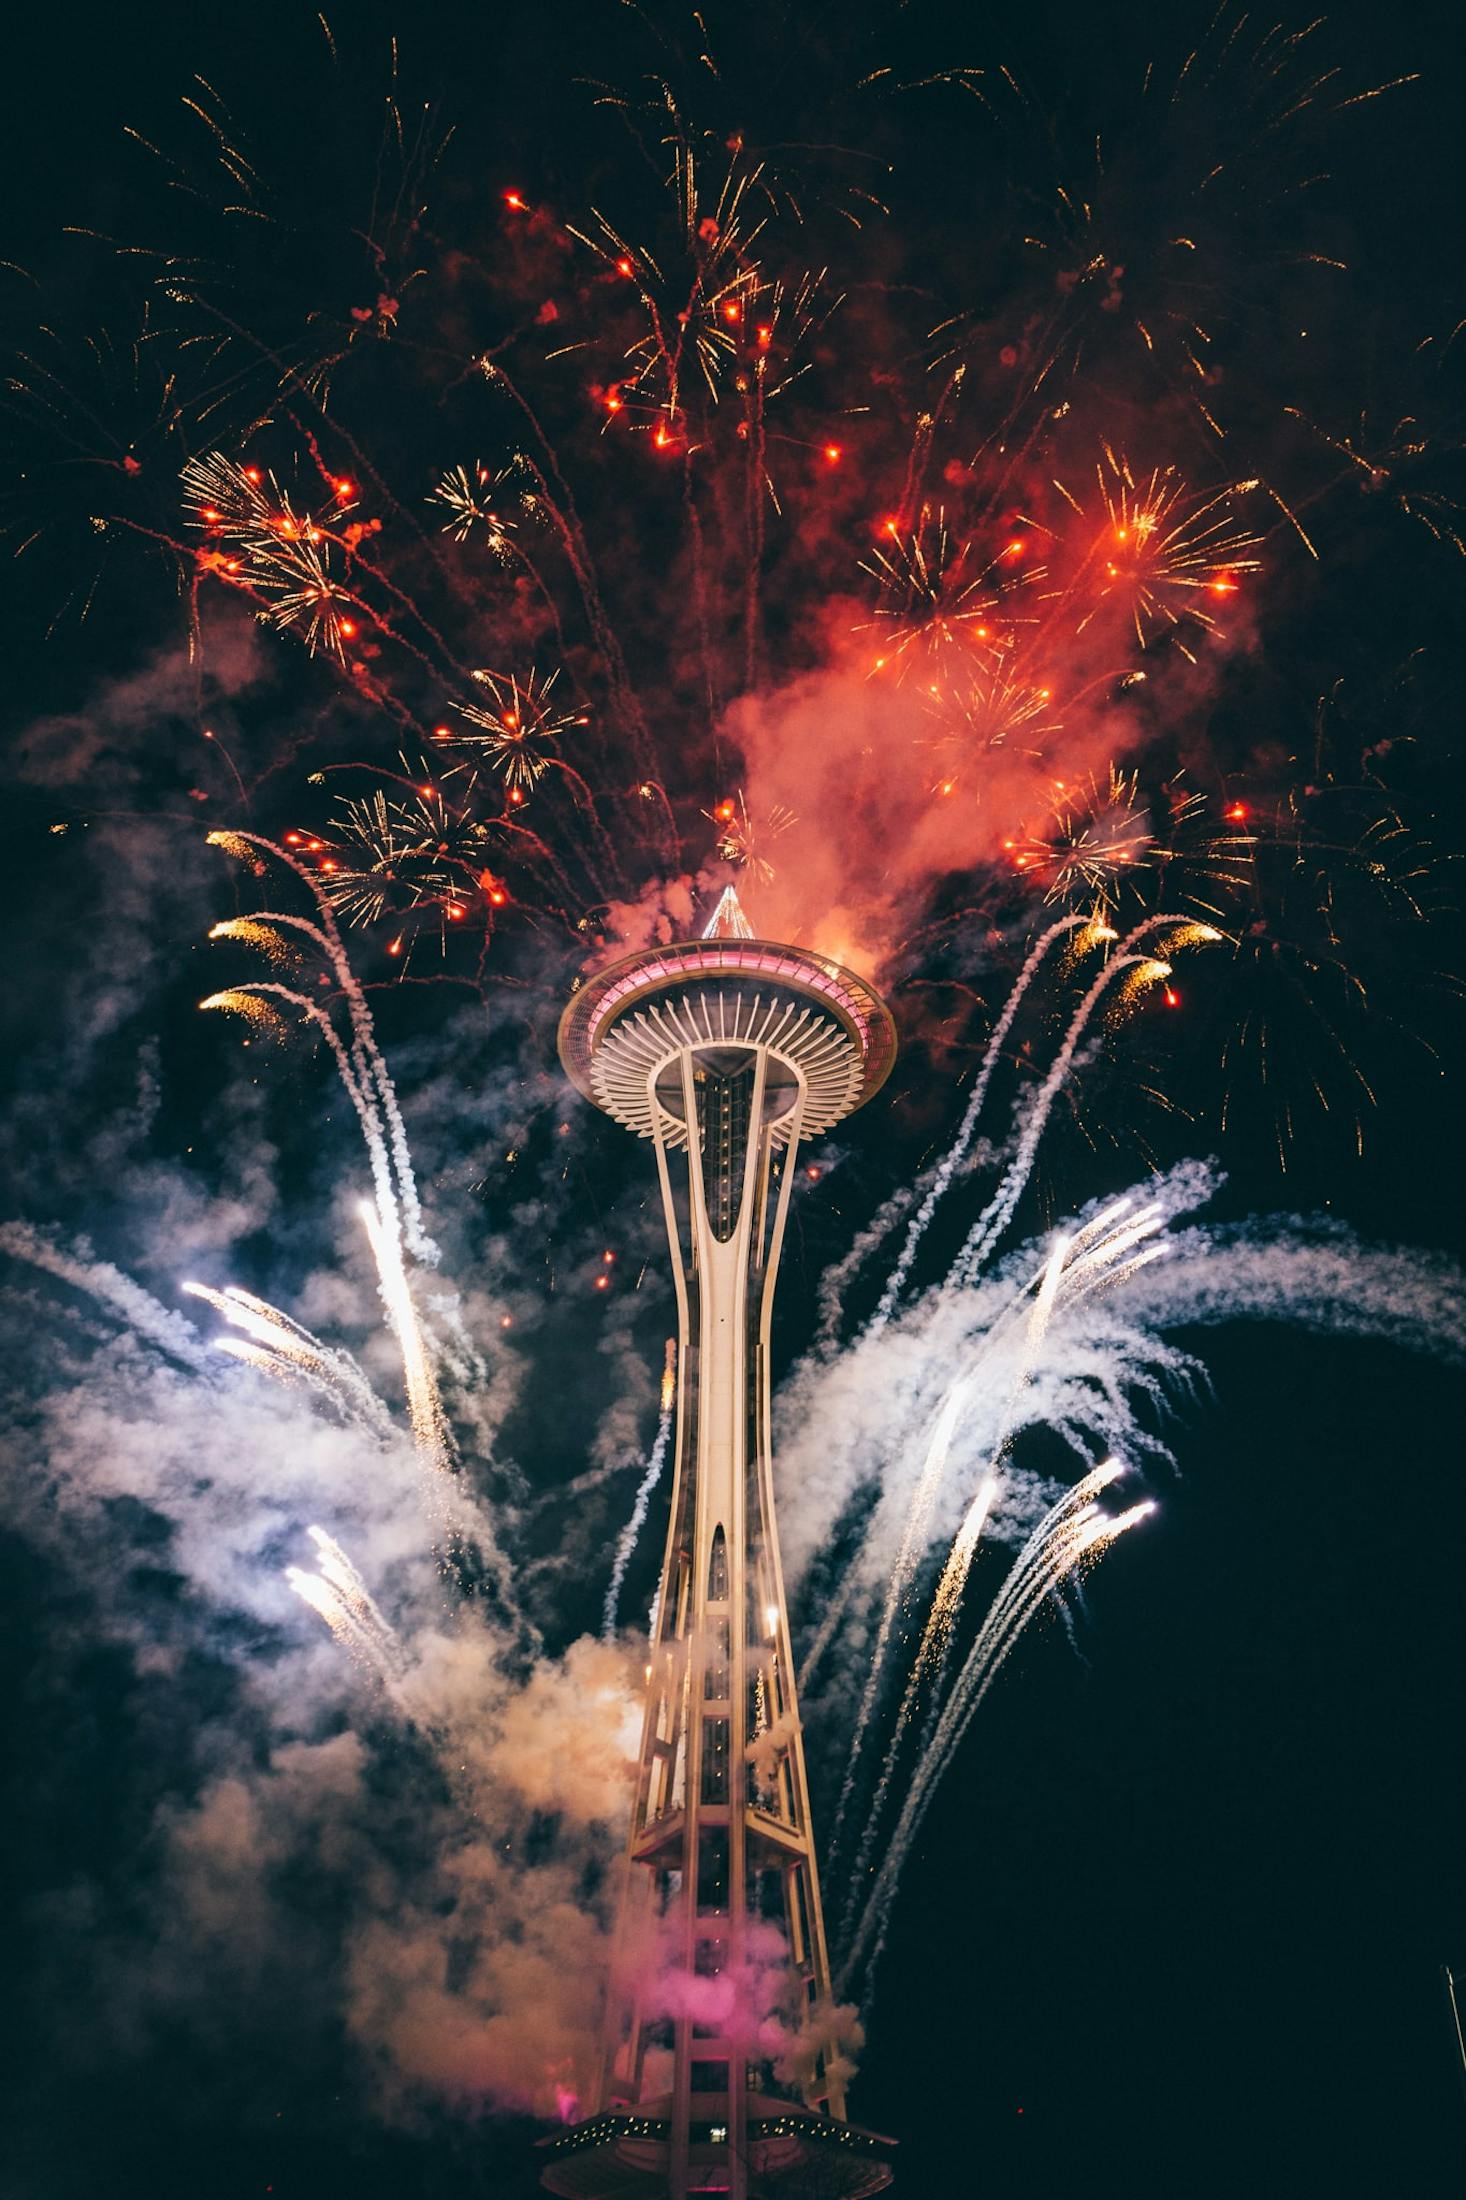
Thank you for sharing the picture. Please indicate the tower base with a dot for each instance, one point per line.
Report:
(790, 2154)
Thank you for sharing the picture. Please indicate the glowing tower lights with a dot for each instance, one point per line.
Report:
(722, 2070)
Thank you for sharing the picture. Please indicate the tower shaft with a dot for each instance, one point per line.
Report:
(721, 2072)
(720, 1830)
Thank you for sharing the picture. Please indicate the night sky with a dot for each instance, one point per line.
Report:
(1176, 1922)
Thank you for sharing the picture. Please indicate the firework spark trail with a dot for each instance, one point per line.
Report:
(232, 998)
(340, 1596)
(424, 1405)
(287, 1371)
(1039, 1565)
(1068, 1279)
(286, 1346)
(335, 1567)
(656, 1460)
(918, 1519)
(898, 1587)
(914, 1532)
(957, 1153)
(367, 1081)
(375, 1078)
(1076, 1266)
(996, 1216)
(938, 1633)
(1073, 1530)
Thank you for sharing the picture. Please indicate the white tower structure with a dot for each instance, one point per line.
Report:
(725, 1052)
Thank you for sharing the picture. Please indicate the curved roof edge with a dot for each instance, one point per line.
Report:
(600, 1002)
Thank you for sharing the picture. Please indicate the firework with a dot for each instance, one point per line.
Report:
(419, 850)
(741, 840)
(1075, 1531)
(707, 423)
(476, 499)
(519, 726)
(940, 600)
(1163, 556)
(292, 562)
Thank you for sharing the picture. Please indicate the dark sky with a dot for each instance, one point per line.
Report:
(1176, 1922)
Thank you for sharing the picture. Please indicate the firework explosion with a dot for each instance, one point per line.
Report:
(606, 545)
(1047, 609)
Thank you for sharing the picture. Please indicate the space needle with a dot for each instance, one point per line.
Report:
(721, 2068)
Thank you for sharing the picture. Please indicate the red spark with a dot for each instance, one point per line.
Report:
(833, 454)
(1237, 812)
(512, 198)
(346, 489)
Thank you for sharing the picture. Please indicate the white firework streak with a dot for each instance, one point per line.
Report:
(996, 1216)
(1073, 1530)
(957, 1152)
(1076, 1266)
(375, 1081)
(285, 1348)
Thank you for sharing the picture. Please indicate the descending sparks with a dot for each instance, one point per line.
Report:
(337, 1592)
(238, 1000)
(1070, 1535)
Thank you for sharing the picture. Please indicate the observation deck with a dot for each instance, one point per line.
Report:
(727, 990)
